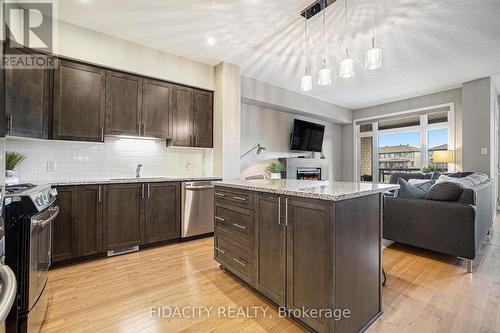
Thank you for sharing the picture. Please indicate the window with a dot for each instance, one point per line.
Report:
(403, 143)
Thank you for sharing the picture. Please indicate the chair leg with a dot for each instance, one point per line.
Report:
(469, 265)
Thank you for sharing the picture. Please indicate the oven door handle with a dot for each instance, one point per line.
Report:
(9, 291)
(43, 223)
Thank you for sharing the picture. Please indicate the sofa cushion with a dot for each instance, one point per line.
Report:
(477, 177)
(445, 191)
(408, 191)
(407, 176)
(423, 184)
(464, 181)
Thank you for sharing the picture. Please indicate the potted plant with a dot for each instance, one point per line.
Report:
(275, 169)
(428, 169)
(12, 161)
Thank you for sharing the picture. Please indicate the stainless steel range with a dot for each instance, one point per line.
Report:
(29, 212)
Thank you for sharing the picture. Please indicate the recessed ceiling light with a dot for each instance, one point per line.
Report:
(210, 41)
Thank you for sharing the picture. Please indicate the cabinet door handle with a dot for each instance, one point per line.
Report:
(102, 133)
(239, 198)
(149, 191)
(286, 212)
(239, 226)
(144, 128)
(219, 218)
(219, 194)
(220, 250)
(99, 194)
(279, 210)
(9, 123)
(143, 191)
(240, 262)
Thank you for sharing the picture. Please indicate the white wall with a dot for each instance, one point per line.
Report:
(272, 128)
(115, 158)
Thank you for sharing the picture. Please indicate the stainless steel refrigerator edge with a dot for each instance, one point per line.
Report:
(197, 208)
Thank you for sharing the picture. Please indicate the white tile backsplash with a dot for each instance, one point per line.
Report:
(116, 158)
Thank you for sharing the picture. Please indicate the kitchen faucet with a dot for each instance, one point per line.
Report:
(138, 171)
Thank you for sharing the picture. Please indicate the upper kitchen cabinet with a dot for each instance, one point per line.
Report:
(123, 104)
(203, 119)
(27, 101)
(79, 102)
(157, 103)
(193, 118)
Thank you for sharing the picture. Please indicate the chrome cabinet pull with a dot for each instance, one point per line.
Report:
(219, 218)
(99, 194)
(286, 212)
(102, 133)
(144, 128)
(220, 250)
(149, 191)
(239, 226)
(239, 198)
(143, 191)
(279, 210)
(240, 262)
(219, 194)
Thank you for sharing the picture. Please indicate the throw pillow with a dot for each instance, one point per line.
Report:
(478, 177)
(423, 184)
(408, 191)
(464, 181)
(445, 191)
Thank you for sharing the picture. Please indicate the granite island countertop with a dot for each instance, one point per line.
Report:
(323, 190)
(128, 180)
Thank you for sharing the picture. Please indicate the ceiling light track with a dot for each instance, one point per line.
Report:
(316, 8)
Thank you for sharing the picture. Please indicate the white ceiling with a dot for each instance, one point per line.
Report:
(428, 45)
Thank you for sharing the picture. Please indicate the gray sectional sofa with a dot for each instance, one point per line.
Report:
(455, 228)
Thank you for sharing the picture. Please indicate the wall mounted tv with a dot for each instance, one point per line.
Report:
(307, 136)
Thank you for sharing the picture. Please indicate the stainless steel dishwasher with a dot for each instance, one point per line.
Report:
(197, 208)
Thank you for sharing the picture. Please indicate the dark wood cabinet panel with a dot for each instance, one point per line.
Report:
(90, 220)
(270, 247)
(309, 259)
(64, 226)
(162, 212)
(123, 104)
(157, 102)
(79, 102)
(183, 116)
(2, 95)
(122, 215)
(203, 119)
(27, 101)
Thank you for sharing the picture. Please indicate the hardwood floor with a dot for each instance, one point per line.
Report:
(425, 292)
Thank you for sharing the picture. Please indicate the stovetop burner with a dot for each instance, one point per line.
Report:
(18, 188)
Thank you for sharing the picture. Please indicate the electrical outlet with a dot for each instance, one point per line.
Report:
(484, 151)
(51, 166)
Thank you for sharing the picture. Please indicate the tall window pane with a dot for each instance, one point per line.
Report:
(438, 141)
(366, 159)
(398, 152)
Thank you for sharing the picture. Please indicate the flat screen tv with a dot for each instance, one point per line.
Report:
(307, 136)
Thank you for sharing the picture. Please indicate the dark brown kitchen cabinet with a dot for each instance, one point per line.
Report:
(162, 212)
(90, 218)
(122, 215)
(2, 95)
(157, 103)
(79, 102)
(193, 117)
(183, 116)
(123, 104)
(64, 227)
(27, 101)
(270, 246)
(203, 119)
(309, 258)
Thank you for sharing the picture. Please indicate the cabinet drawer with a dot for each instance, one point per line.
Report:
(238, 198)
(230, 255)
(234, 222)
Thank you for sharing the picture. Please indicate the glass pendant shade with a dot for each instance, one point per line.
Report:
(325, 76)
(306, 83)
(373, 59)
(347, 68)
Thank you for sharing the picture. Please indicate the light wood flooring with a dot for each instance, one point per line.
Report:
(425, 292)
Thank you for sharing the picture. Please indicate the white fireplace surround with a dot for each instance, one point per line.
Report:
(292, 164)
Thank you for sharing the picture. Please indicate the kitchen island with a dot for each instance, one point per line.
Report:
(312, 248)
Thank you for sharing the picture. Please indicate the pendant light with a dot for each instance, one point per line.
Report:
(373, 57)
(346, 65)
(324, 74)
(306, 79)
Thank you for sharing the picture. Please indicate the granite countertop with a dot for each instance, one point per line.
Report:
(323, 190)
(126, 180)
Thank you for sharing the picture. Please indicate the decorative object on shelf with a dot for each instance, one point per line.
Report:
(275, 169)
(324, 74)
(306, 79)
(260, 150)
(442, 156)
(373, 57)
(346, 65)
(428, 169)
(12, 160)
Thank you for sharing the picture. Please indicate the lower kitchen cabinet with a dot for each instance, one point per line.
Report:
(162, 212)
(89, 238)
(122, 215)
(64, 243)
